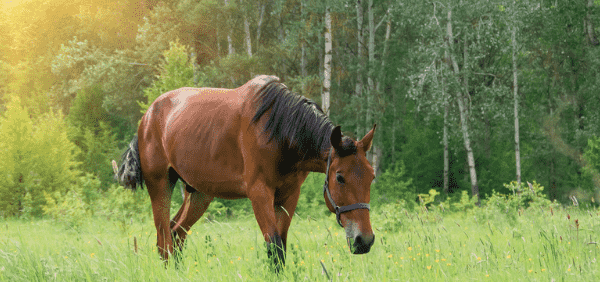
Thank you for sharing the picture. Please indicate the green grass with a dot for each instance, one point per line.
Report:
(428, 246)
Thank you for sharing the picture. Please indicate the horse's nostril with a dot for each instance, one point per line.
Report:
(362, 244)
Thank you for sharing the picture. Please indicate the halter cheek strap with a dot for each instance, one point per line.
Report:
(339, 210)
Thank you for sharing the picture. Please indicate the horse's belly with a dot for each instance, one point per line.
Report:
(226, 189)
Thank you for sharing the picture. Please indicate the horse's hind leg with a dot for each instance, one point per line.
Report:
(160, 190)
(194, 206)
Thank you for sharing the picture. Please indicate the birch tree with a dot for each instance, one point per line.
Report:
(327, 63)
(516, 100)
(464, 119)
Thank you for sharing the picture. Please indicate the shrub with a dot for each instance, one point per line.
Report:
(393, 186)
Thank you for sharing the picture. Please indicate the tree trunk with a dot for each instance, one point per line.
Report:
(591, 34)
(327, 64)
(445, 138)
(361, 61)
(229, 39)
(259, 26)
(248, 39)
(463, 110)
(516, 98)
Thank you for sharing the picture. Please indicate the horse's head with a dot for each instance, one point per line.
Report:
(348, 183)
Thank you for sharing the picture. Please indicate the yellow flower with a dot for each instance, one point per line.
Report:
(569, 269)
(427, 255)
(429, 267)
(252, 248)
(478, 258)
(239, 258)
(543, 269)
(390, 256)
(448, 264)
(410, 248)
(529, 259)
(189, 232)
(487, 275)
(437, 251)
(531, 270)
(443, 259)
(437, 260)
(231, 261)
(508, 256)
(401, 257)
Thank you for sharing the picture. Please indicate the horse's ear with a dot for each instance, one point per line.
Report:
(336, 137)
(367, 141)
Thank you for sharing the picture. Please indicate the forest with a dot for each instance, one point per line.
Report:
(475, 97)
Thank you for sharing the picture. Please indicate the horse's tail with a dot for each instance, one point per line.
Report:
(130, 173)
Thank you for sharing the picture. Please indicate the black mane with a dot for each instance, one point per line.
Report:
(295, 122)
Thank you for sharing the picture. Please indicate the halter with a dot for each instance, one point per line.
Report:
(339, 210)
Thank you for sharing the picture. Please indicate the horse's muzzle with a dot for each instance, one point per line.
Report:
(361, 244)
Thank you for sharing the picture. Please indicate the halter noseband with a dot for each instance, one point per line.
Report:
(339, 210)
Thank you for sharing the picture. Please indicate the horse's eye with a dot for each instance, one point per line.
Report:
(339, 178)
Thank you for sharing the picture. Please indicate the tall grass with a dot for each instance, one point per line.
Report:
(534, 244)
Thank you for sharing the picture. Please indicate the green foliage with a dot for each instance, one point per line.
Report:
(176, 71)
(592, 157)
(426, 199)
(312, 200)
(465, 203)
(393, 185)
(37, 158)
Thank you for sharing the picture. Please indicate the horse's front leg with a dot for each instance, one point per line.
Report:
(264, 210)
(284, 214)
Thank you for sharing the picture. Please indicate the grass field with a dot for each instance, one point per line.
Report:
(533, 245)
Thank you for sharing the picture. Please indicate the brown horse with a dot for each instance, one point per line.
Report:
(258, 141)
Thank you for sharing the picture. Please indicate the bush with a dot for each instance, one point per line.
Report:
(393, 186)
(37, 158)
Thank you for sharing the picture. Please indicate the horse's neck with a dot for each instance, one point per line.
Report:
(316, 164)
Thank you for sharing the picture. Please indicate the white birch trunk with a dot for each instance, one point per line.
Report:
(592, 39)
(327, 64)
(516, 97)
(259, 25)
(370, 82)
(359, 81)
(445, 138)
(229, 39)
(248, 39)
(463, 112)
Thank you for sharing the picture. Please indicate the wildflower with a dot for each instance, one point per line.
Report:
(508, 256)
(437, 260)
(448, 264)
(531, 270)
(410, 248)
(92, 255)
(543, 269)
(252, 248)
(478, 258)
(429, 267)
(427, 255)
(437, 251)
(390, 256)
(189, 232)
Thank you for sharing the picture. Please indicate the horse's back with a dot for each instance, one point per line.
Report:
(194, 131)
(198, 132)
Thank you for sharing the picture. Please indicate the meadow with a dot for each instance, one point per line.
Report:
(553, 243)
